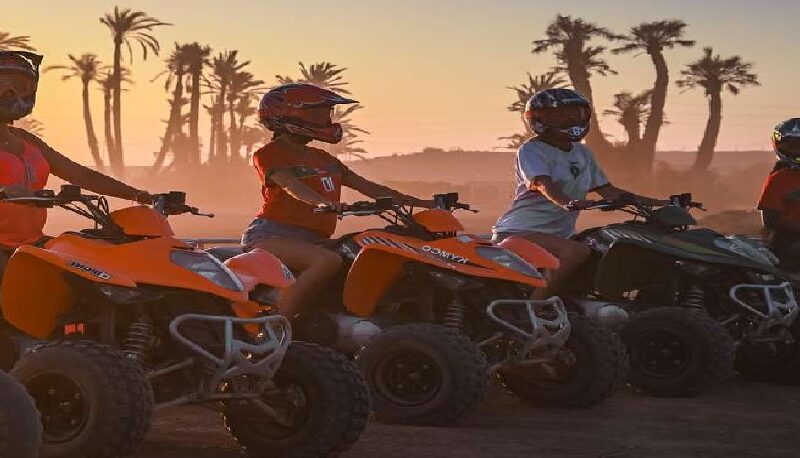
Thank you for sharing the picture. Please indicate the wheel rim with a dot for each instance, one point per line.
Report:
(62, 404)
(409, 378)
(660, 353)
(290, 401)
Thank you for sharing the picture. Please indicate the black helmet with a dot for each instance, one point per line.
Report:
(786, 141)
(559, 113)
(19, 78)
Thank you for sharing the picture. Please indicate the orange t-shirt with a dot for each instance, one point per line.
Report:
(781, 193)
(315, 168)
(22, 224)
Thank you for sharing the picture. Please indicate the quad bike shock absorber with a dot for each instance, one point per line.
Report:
(140, 339)
(454, 315)
(694, 297)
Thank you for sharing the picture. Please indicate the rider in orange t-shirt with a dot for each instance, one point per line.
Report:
(296, 179)
(26, 162)
(780, 198)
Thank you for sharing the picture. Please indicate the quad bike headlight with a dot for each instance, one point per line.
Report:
(508, 259)
(208, 267)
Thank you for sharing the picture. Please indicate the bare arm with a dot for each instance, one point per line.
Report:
(371, 189)
(91, 180)
(299, 190)
(544, 185)
(612, 192)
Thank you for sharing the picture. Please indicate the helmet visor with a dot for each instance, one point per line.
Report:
(22, 84)
(789, 146)
(563, 117)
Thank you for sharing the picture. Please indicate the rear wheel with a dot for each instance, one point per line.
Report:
(674, 351)
(93, 400)
(424, 374)
(588, 369)
(321, 403)
(20, 429)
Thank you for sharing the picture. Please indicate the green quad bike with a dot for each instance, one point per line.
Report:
(20, 430)
(699, 303)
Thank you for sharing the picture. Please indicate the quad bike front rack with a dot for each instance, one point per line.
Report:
(781, 311)
(548, 332)
(239, 358)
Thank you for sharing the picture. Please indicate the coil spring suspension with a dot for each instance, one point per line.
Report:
(140, 339)
(695, 297)
(454, 315)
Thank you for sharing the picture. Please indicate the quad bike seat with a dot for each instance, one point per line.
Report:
(223, 253)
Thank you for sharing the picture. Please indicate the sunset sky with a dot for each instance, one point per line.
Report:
(429, 73)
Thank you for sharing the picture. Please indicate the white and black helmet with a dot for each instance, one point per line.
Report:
(786, 141)
(559, 113)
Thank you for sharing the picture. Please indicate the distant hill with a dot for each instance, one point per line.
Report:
(460, 167)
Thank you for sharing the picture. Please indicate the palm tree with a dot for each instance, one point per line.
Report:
(106, 80)
(323, 74)
(713, 74)
(631, 111)
(127, 26)
(252, 136)
(347, 146)
(224, 68)
(196, 57)
(31, 125)
(570, 37)
(8, 41)
(526, 90)
(653, 38)
(86, 68)
(243, 89)
(514, 141)
(177, 66)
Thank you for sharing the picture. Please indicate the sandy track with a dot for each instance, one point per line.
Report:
(741, 419)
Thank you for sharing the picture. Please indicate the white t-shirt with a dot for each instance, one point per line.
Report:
(575, 172)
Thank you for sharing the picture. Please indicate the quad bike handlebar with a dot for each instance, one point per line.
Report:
(448, 202)
(629, 203)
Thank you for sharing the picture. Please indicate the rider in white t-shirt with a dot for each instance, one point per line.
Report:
(554, 171)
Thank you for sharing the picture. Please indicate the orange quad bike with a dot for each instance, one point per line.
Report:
(128, 319)
(430, 313)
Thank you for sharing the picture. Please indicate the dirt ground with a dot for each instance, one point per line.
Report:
(741, 419)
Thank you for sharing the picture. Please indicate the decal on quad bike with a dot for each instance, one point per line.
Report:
(382, 241)
(96, 272)
(447, 256)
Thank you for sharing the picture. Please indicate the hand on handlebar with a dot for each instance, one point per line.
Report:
(331, 207)
(575, 205)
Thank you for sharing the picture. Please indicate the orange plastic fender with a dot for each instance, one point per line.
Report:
(142, 221)
(372, 275)
(531, 252)
(259, 267)
(437, 220)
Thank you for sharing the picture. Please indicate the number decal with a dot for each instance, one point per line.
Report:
(327, 184)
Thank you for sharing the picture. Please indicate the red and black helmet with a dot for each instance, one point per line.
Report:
(786, 141)
(19, 79)
(285, 109)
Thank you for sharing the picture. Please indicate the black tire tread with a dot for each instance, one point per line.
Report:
(124, 389)
(345, 394)
(473, 376)
(610, 364)
(720, 344)
(20, 427)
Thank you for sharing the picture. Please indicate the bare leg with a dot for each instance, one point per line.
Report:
(571, 255)
(314, 265)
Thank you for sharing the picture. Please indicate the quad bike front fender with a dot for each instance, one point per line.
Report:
(36, 293)
(373, 273)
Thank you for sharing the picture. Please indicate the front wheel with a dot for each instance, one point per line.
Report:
(589, 368)
(677, 352)
(20, 429)
(320, 404)
(94, 401)
(424, 374)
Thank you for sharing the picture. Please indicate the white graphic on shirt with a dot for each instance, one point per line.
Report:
(327, 184)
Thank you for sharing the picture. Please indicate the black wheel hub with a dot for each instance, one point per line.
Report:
(408, 378)
(63, 406)
(660, 353)
(290, 403)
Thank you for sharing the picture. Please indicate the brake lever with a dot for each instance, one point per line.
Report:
(196, 211)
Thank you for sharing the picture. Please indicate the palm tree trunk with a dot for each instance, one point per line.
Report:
(107, 123)
(234, 133)
(173, 124)
(222, 138)
(91, 138)
(705, 152)
(212, 139)
(118, 162)
(194, 119)
(655, 120)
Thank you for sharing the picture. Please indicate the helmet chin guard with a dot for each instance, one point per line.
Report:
(19, 79)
